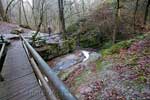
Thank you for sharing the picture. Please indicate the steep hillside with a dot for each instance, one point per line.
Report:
(122, 73)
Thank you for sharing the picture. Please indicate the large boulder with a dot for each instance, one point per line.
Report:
(25, 26)
(56, 49)
(17, 31)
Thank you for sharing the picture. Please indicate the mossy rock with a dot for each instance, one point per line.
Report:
(101, 65)
(72, 44)
(53, 49)
(38, 42)
(56, 49)
(17, 31)
(64, 48)
(88, 40)
(25, 26)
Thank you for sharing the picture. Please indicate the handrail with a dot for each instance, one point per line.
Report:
(44, 67)
(1, 54)
(2, 50)
(48, 90)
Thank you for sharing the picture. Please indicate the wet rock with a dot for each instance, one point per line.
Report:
(11, 36)
(94, 56)
(53, 45)
(67, 61)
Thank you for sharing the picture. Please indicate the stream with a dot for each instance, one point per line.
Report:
(70, 60)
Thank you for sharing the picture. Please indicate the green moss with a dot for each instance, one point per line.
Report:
(100, 64)
(56, 49)
(141, 78)
(64, 48)
(133, 60)
(72, 44)
(89, 40)
(82, 77)
(63, 75)
(79, 80)
(53, 49)
(107, 45)
(146, 51)
(116, 47)
(142, 36)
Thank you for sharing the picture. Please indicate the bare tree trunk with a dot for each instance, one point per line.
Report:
(83, 7)
(1, 9)
(33, 13)
(24, 13)
(46, 20)
(61, 16)
(41, 19)
(146, 11)
(2, 12)
(136, 8)
(77, 8)
(20, 13)
(5, 13)
(116, 28)
(8, 6)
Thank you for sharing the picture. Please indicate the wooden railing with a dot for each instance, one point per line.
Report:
(42, 69)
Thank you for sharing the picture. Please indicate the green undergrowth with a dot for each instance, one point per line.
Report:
(109, 49)
(116, 47)
(82, 78)
(101, 64)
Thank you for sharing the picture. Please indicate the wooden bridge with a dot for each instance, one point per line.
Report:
(20, 82)
(22, 70)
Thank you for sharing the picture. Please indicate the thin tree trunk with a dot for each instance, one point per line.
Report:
(136, 8)
(33, 13)
(61, 15)
(41, 20)
(7, 8)
(2, 12)
(20, 13)
(76, 7)
(116, 28)
(25, 13)
(1, 9)
(146, 11)
(46, 21)
(83, 7)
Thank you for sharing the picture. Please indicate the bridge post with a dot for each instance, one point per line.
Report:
(1, 78)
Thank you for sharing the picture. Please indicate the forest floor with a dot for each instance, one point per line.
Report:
(122, 73)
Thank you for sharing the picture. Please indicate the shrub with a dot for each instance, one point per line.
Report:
(116, 47)
(72, 28)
